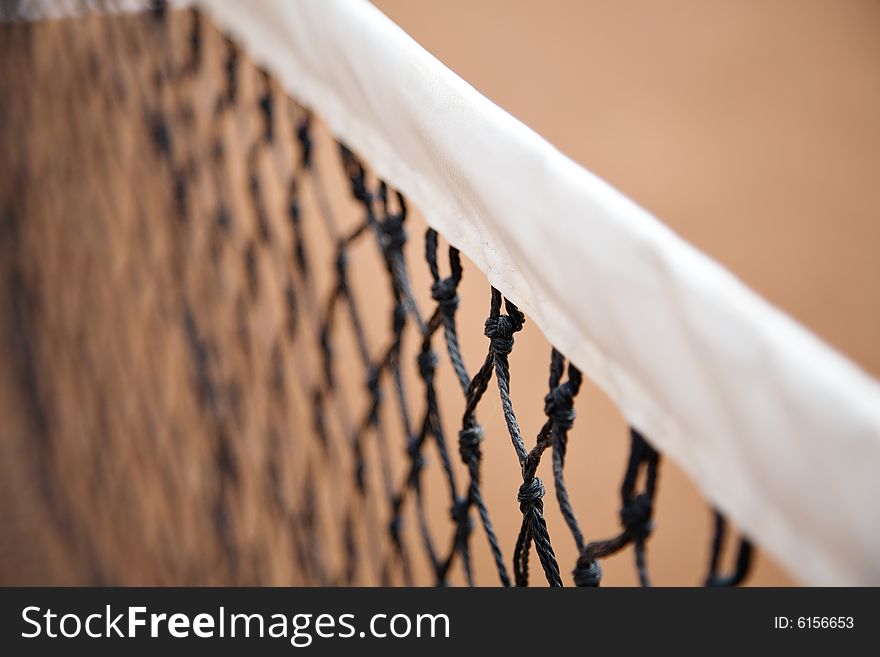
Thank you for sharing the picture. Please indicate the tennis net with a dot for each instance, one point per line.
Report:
(235, 333)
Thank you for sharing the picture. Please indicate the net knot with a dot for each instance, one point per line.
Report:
(530, 493)
(445, 293)
(159, 10)
(500, 331)
(360, 470)
(305, 141)
(460, 512)
(399, 319)
(427, 361)
(587, 571)
(414, 451)
(359, 188)
(294, 212)
(393, 233)
(469, 440)
(265, 103)
(341, 261)
(395, 526)
(373, 384)
(636, 517)
(558, 406)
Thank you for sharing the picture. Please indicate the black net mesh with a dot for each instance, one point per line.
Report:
(306, 420)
